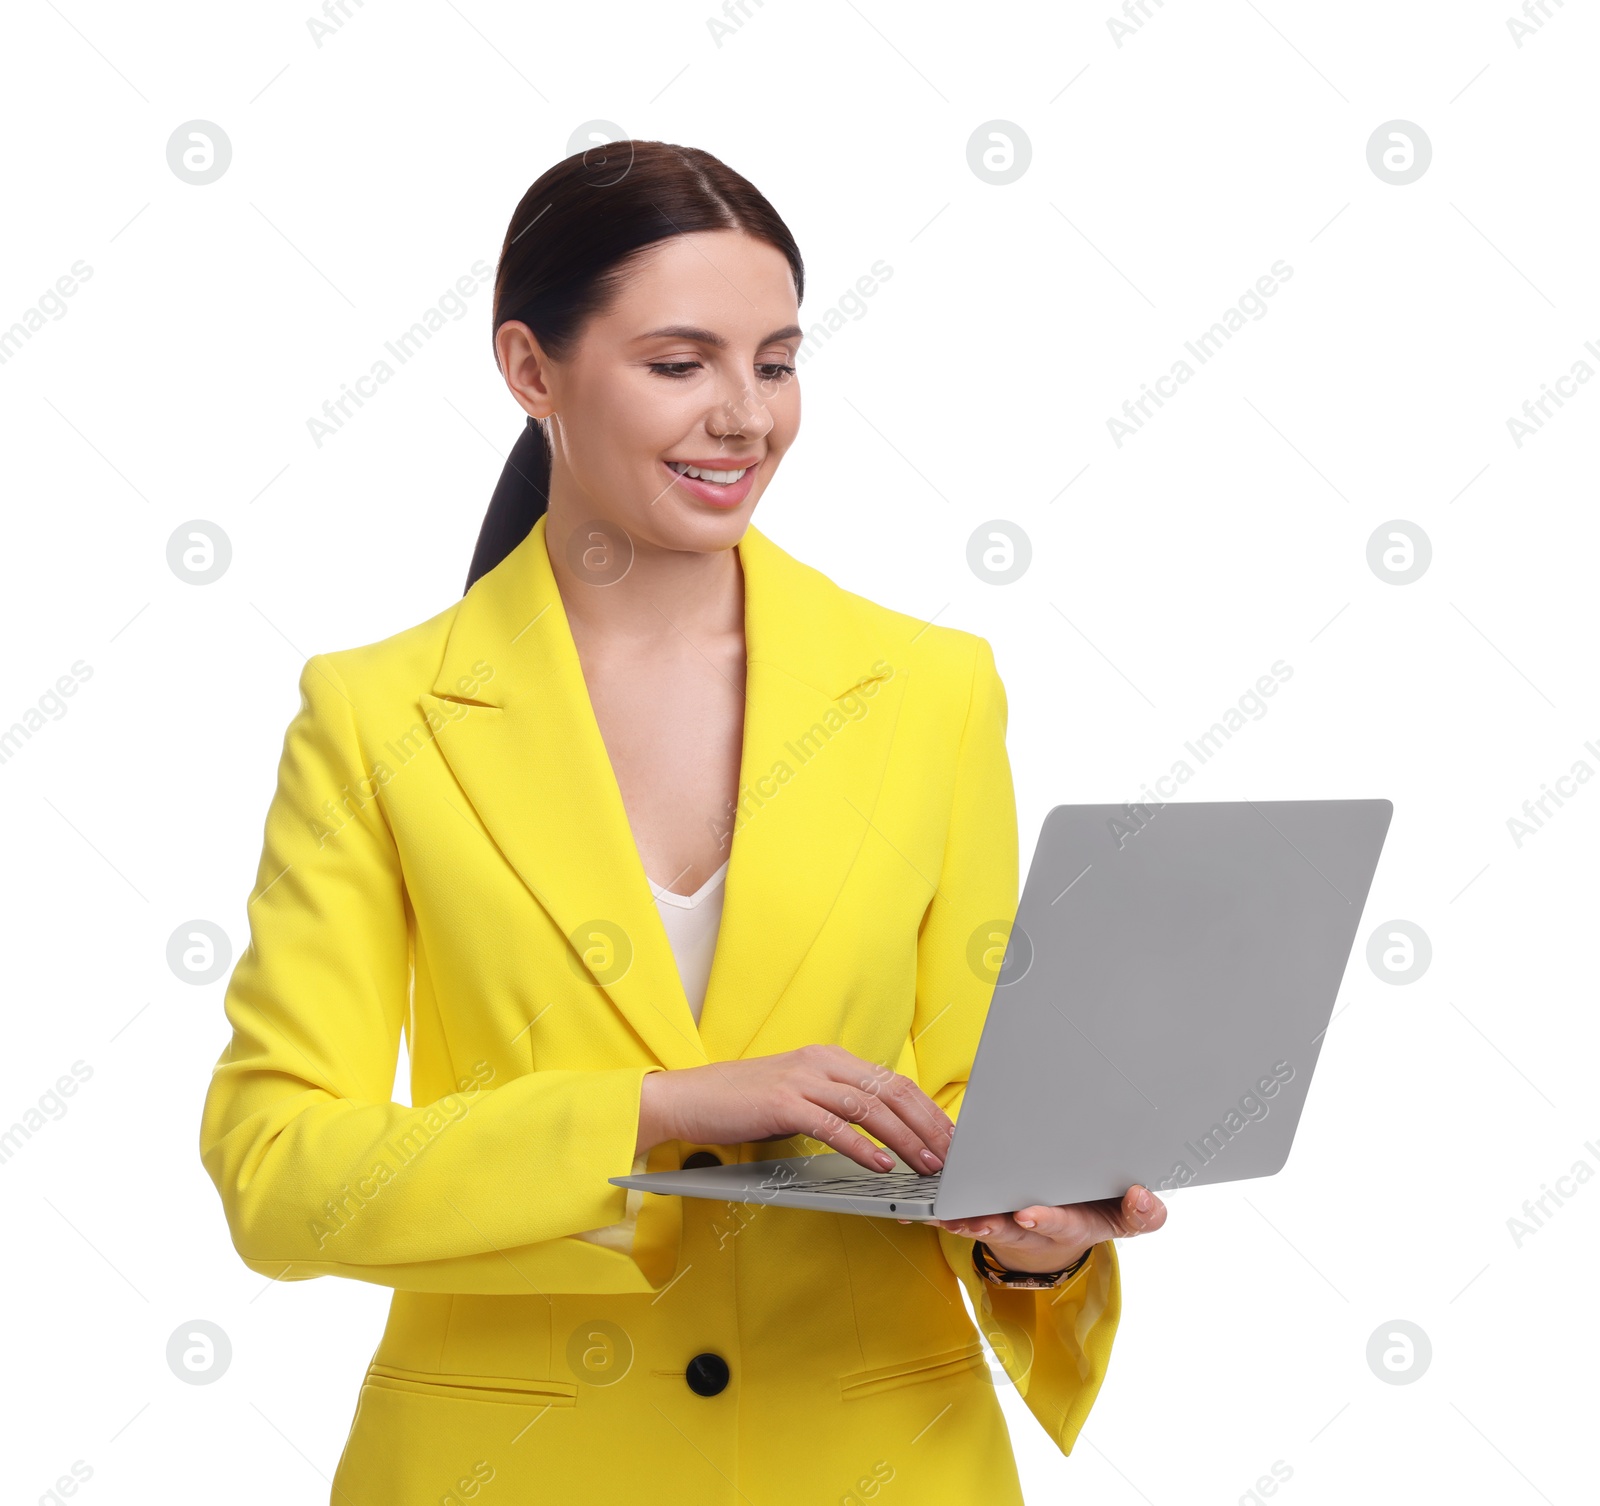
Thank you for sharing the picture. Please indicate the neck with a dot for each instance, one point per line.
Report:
(662, 594)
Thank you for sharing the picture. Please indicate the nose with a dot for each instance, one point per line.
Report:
(741, 412)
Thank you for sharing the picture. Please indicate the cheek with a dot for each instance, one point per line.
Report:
(785, 411)
(624, 432)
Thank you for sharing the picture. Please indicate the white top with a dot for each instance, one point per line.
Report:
(692, 922)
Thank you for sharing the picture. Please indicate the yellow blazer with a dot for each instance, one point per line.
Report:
(447, 854)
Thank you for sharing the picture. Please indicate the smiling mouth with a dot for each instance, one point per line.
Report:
(723, 477)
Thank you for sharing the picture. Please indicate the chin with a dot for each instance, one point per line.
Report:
(717, 534)
(704, 531)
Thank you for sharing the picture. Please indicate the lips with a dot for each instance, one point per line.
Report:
(712, 493)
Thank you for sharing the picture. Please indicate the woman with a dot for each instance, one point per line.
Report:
(492, 830)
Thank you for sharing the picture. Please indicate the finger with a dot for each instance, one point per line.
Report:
(835, 1132)
(894, 1109)
(1137, 1211)
(904, 1100)
(878, 1118)
(1141, 1211)
(1039, 1224)
(1074, 1221)
(986, 1226)
(967, 1228)
(919, 1113)
(1008, 1237)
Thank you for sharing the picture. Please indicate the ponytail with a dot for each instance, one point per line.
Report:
(520, 498)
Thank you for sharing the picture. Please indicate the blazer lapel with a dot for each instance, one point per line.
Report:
(529, 756)
(812, 763)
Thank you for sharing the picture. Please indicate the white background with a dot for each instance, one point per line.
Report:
(1168, 574)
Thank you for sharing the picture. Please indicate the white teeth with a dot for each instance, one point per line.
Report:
(722, 478)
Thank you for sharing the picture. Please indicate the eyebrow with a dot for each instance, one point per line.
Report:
(710, 337)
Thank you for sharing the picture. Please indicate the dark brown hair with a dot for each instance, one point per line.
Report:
(566, 256)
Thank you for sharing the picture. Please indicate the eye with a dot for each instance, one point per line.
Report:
(771, 371)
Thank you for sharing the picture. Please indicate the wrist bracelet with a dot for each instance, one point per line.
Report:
(990, 1270)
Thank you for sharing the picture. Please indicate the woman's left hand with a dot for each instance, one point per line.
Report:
(1046, 1238)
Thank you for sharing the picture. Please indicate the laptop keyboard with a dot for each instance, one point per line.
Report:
(884, 1184)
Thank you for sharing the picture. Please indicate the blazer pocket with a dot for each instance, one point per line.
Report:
(513, 1389)
(949, 1362)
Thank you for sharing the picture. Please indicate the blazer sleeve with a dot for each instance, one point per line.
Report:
(298, 1124)
(1054, 1345)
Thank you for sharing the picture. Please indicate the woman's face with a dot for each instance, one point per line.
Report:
(693, 365)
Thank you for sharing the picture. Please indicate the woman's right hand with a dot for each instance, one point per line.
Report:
(820, 1091)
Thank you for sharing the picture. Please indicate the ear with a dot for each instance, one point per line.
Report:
(526, 368)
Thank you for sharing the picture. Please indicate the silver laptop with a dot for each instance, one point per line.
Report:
(1156, 1019)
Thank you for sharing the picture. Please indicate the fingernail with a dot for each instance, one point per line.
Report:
(1144, 1202)
(1027, 1223)
(981, 1232)
(884, 1159)
(932, 1159)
